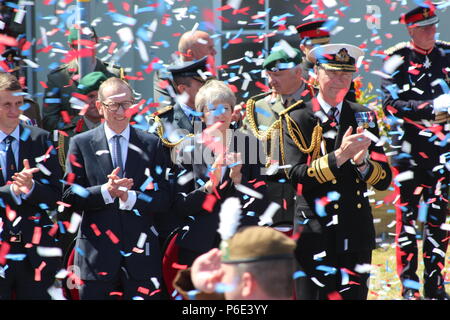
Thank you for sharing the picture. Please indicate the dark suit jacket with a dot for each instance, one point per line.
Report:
(191, 197)
(100, 256)
(354, 230)
(46, 192)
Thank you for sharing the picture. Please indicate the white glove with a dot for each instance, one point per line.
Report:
(441, 103)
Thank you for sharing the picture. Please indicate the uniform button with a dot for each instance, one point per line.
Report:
(359, 205)
(336, 206)
(429, 75)
(358, 192)
(357, 180)
(432, 90)
(333, 181)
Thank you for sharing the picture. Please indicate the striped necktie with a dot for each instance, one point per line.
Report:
(333, 114)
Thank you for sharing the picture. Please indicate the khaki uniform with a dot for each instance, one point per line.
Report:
(61, 85)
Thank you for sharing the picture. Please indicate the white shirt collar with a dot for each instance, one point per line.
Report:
(110, 133)
(15, 134)
(326, 107)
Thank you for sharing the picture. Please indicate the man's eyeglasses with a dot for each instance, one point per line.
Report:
(114, 106)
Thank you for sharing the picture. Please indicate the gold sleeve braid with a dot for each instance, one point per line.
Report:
(160, 132)
(377, 174)
(61, 153)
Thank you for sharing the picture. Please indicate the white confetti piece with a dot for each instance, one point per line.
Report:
(75, 220)
(392, 63)
(100, 152)
(248, 191)
(404, 176)
(141, 241)
(363, 268)
(266, 217)
(43, 169)
(230, 213)
(49, 251)
(284, 45)
(235, 4)
(142, 50)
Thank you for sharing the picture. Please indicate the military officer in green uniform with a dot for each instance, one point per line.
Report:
(62, 82)
(262, 119)
(87, 94)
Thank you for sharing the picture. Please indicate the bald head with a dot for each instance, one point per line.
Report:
(195, 45)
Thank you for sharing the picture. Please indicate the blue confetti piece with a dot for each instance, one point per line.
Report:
(263, 112)
(25, 134)
(320, 209)
(80, 252)
(200, 182)
(52, 100)
(223, 287)
(24, 107)
(145, 197)
(125, 254)
(43, 206)
(16, 256)
(158, 169)
(298, 274)
(145, 184)
(136, 212)
(62, 229)
(79, 190)
(411, 284)
(192, 294)
(423, 212)
(345, 278)
(333, 196)
(327, 269)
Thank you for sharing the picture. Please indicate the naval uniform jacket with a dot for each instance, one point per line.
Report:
(330, 200)
(409, 95)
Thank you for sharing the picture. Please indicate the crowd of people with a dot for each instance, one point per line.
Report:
(90, 187)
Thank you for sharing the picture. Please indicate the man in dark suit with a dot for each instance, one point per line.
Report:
(332, 161)
(62, 82)
(30, 188)
(416, 93)
(115, 179)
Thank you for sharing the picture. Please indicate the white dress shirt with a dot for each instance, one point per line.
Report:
(124, 141)
(15, 148)
(326, 107)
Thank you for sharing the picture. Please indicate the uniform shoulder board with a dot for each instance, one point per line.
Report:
(395, 48)
(443, 43)
(162, 111)
(59, 68)
(260, 96)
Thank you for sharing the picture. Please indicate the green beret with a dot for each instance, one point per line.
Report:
(280, 60)
(91, 82)
(257, 243)
(73, 34)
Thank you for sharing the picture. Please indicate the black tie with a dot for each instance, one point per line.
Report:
(10, 160)
(118, 155)
(333, 114)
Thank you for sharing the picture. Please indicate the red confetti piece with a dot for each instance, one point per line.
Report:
(36, 235)
(299, 189)
(209, 202)
(73, 161)
(112, 236)
(154, 292)
(143, 290)
(259, 184)
(95, 229)
(37, 271)
(179, 266)
(63, 133)
(70, 178)
(53, 230)
(414, 71)
(378, 157)
(65, 116)
(4, 250)
(334, 296)
(423, 155)
(10, 213)
(262, 86)
(116, 293)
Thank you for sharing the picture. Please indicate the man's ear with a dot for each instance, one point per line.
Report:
(181, 88)
(248, 285)
(98, 105)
